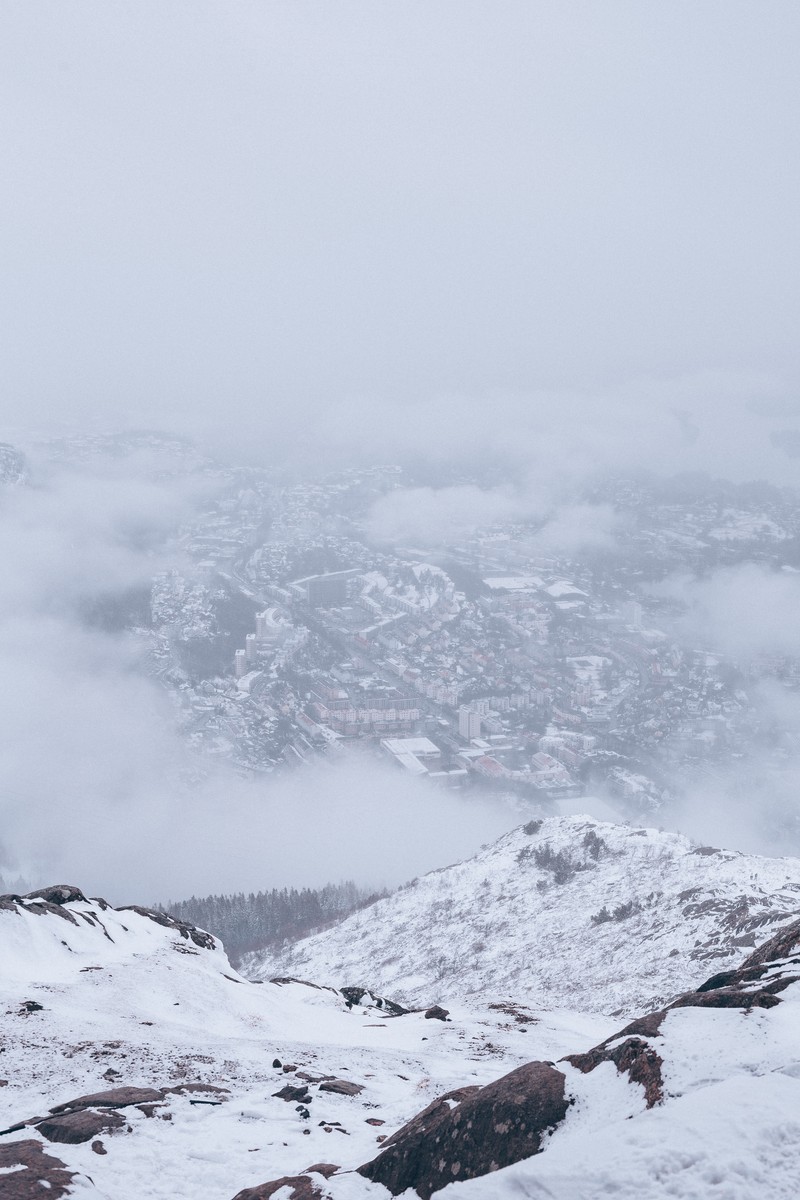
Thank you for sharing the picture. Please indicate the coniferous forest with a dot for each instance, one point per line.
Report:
(245, 922)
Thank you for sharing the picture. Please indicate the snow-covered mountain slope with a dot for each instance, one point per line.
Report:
(561, 913)
(135, 1064)
(699, 1101)
(726, 1121)
(95, 999)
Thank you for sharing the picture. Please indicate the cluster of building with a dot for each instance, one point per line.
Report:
(273, 645)
(487, 662)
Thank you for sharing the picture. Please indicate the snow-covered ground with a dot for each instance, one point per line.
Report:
(568, 912)
(128, 1002)
(93, 998)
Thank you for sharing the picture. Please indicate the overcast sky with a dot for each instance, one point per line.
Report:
(294, 216)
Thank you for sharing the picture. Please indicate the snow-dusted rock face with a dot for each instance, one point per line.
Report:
(727, 1121)
(563, 913)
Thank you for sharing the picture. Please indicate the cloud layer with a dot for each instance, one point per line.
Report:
(410, 226)
(99, 787)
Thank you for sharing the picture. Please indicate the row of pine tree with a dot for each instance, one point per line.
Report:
(246, 922)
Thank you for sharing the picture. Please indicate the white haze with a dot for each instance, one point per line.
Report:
(421, 224)
(744, 611)
(98, 784)
(434, 516)
(527, 242)
(750, 615)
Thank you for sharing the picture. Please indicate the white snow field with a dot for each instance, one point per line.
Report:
(124, 994)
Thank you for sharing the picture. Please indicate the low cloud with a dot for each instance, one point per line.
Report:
(427, 516)
(748, 804)
(154, 823)
(576, 528)
(432, 516)
(550, 440)
(743, 611)
(99, 787)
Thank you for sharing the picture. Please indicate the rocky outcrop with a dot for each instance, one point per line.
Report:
(199, 936)
(300, 1187)
(29, 1173)
(54, 899)
(473, 1131)
(341, 1087)
(360, 995)
(85, 1117)
(58, 893)
(757, 983)
(114, 1098)
(633, 1056)
(785, 944)
(437, 1013)
(77, 1127)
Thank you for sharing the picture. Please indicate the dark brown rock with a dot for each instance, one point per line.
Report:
(435, 1013)
(634, 1057)
(471, 1132)
(771, 968)
(41, 1173)
(360, 995)
(99, 1148)
(59, 893)
(76, 1127)
(341, 1087)
(303, 1187)
(186, 1089)
(115, 1098)
(648, 1026)
(299, 1094)
(731, 997)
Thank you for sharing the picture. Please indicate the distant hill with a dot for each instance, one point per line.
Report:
(565, 912)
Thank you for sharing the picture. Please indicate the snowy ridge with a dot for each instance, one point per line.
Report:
(566, 912)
